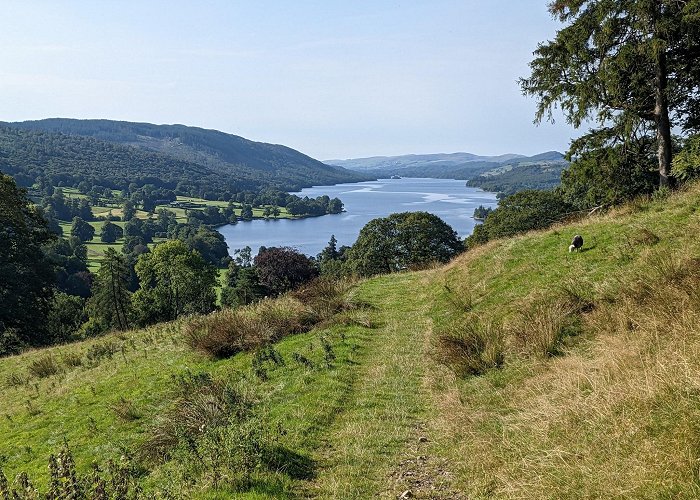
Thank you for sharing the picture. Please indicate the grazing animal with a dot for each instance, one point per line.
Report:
(576, 243)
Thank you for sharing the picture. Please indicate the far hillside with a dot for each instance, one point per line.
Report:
(507, 173)
(252, 165)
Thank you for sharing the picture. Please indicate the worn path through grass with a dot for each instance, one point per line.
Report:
(380, 444)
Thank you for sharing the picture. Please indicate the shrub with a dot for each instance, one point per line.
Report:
(470, 346)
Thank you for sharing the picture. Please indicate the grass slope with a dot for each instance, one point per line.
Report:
(597, 393)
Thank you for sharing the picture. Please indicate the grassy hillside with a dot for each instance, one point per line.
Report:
(517, 371)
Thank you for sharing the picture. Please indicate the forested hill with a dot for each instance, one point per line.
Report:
(246, 164)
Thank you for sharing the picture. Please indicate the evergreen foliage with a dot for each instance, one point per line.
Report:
(111, 300)
(26, 275)
(630, 66)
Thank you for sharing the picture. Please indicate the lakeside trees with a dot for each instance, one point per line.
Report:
(173, 280)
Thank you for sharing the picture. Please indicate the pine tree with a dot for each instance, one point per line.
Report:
(629, 65)
(111, 301)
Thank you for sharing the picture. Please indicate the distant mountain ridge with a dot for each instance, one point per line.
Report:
(432, 162)
(256, 164)
(505, 173)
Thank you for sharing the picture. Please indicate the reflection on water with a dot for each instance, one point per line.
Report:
(448, 199)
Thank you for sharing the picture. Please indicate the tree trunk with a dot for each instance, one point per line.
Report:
(663, 124)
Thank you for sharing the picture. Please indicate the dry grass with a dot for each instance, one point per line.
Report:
(545, 326)
(471, 346)
(615, 414)
(125, 410)
(230, 331)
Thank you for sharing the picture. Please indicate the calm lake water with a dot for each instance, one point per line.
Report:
(449, 199)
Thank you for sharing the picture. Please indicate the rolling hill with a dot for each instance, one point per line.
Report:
(239, 162)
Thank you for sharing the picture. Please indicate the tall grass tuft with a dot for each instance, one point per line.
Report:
(543, 328)
(470, 346)
(44, 366)
(230, 331)
(213, 432)
(125, 410)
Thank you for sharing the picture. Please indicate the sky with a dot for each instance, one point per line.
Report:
(333, 79)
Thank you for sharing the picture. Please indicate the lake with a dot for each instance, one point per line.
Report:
(449, 199)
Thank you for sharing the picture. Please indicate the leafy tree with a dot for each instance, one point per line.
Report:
(630, 65)
(82, 230)
(608, 169)
(243, 256)
(173, 280)
(402, 241)
(111, 301)
(26, 275)
(68, 258)
(110, 232)
(129, 211)
(247, 212)
(242, 286)
(282, 268)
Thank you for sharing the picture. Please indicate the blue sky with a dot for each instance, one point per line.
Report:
(333, 79)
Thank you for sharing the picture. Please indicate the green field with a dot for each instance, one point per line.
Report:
(96, 248)
(594, 391)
